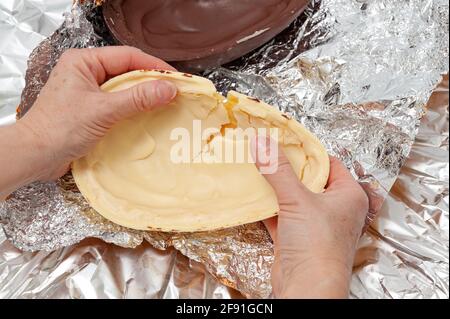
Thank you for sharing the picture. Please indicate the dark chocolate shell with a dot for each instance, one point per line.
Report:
(198, 34)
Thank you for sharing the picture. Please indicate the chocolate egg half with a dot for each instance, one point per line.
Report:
(198, 34)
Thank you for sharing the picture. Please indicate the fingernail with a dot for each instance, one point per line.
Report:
(258, 145)
(166, 91)
(254, 148)
(263, 142)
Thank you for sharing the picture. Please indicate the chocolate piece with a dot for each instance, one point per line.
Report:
(195, 35)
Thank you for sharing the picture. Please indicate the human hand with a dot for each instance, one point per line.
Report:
(72, 114)
(315, 235)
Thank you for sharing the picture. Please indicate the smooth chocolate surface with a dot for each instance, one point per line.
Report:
(199, 33)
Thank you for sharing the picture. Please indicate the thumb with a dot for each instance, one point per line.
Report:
(276, 168)
(140, 98)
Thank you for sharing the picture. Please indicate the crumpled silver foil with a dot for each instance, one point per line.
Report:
(358, 74)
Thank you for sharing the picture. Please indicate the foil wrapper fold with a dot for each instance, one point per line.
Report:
(357, 73)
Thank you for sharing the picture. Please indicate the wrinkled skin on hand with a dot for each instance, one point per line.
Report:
(315, 235)
(72, 114)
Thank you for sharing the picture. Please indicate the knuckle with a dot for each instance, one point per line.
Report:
(362, 199)
(101, 99)
(284, 166)
(132, 49)
(290, 212)
(103, 110)
(283, 162)
(140, 98)
(69, 55)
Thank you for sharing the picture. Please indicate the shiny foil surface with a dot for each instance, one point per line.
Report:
(357, 73)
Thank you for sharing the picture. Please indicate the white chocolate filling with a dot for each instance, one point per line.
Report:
(131, 179)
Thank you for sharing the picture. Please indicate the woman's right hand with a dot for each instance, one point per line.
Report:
(315, 235)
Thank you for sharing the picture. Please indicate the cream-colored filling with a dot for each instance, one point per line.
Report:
(131, 179)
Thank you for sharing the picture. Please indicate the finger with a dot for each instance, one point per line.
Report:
(276, 168)
(376, 201)
(140, 98)
(339, 175)
(116, 60)
(272, 226)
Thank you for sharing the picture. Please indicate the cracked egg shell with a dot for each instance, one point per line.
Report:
(130, 177)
